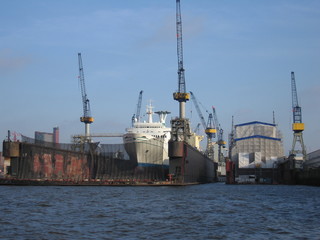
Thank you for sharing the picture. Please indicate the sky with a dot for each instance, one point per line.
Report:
(238, 57)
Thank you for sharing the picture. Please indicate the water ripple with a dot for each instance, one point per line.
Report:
(211, 211)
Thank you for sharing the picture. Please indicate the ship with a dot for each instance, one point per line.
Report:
(188, 164)
(146, 142)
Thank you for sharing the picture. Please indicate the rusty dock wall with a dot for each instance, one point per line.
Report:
(56, 164)
(33, 161)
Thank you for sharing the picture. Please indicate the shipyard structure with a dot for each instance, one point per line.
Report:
(187, 164)
(256, 148)
(32, 162)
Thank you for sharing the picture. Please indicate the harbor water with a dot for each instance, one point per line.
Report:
(209, 211)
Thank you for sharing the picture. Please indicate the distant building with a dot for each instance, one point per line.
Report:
(257, 145)
(47, 137)
(313, 159)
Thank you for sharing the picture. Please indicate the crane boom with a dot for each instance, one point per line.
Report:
(136, 116)
(85, 101)
(296, 109)
(209, 127)
(215, 118)
(194, 100)
(219, 129)
(139, 106)
(86, 118)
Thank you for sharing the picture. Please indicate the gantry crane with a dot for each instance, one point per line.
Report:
(181, 95)
(297, 125)
(87, 119)
(208, 127)
(221, 143)
(136, 117)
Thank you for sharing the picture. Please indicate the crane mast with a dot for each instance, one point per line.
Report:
(195, 102)
(87, 119)
(297, 125)
(181, 95)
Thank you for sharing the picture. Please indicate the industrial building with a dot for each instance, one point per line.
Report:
(313, 160)
(47, 137)
(257, 146)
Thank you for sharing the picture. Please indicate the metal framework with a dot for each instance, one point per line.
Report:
(297, 125)
(181, 96)
(87, 118)
(209, 127)
(221, 143)
(136, 117)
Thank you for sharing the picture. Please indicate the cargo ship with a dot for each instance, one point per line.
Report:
(147, 142)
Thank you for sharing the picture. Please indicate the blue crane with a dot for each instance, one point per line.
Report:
(87, 119)
(181, 95)
(297, 125)
(208, 127)
(136, 117)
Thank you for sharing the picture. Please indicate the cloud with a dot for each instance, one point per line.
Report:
(10, 62)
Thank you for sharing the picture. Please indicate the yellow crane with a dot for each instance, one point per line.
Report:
(297, 125)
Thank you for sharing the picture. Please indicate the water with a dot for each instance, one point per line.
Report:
(210, 211)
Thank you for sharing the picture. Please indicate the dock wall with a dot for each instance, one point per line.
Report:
(31, 161)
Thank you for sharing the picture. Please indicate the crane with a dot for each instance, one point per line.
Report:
(221, 143)
(181, 95)
(208, 127)
(231, 139)
(196, 129)
(195, 102)
(87, 119)
(210, 132)
(297, 125)
(136, 116)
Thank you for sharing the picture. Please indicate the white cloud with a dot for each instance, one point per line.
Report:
(11, 62)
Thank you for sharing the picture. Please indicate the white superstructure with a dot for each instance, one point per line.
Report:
(147, 142)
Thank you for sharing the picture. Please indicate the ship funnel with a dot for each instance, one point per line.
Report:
(162, 116)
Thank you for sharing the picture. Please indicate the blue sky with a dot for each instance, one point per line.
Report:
(238, 56)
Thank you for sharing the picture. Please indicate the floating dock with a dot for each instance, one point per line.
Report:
(51, 164)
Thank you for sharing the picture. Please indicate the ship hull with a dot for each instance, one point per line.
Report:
(189, 165)
(146, 152)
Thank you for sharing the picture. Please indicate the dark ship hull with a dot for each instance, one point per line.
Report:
(188, 165)
(49, 164)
